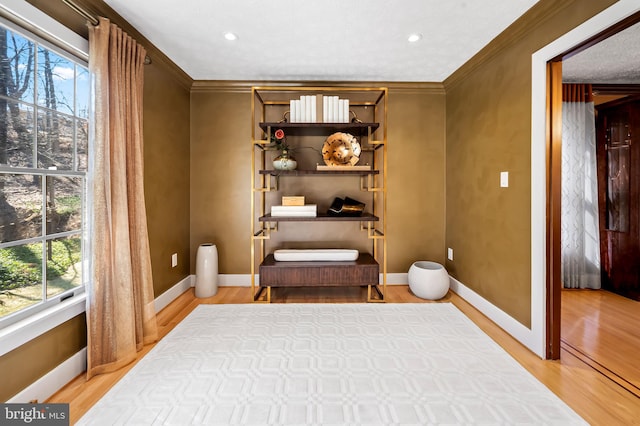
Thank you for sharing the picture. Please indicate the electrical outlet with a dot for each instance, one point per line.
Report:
(174, 260)
(450, 253)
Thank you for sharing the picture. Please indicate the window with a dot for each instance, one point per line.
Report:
(44, 120)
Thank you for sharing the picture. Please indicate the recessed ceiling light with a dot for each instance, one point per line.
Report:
(230, 36)
(414, 37)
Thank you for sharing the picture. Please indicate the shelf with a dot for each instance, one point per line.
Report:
(321, 217)
(320, 128)
(319, 172)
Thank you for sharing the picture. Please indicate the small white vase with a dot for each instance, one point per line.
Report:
(285, 161)
(428, 280)
(206, 270)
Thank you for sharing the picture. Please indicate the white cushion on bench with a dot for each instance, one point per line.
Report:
(285, 255)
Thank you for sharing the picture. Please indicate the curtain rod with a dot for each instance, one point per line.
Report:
(82, 12)
(94, 21)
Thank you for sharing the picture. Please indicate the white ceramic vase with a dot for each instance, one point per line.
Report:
(285, 161)
(428, 280)
(206, 270)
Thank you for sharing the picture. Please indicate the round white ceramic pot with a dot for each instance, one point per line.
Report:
(428, 280)
(206, 270)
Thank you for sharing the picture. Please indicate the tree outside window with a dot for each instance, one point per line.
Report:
(44, 103)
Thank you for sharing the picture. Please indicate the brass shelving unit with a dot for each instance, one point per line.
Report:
(268, 113)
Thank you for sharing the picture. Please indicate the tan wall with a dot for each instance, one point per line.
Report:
(27, 363)
(489, 131)
(166, 133)
(220, 177)
(416, 180)
(166, 155)
(221, 171)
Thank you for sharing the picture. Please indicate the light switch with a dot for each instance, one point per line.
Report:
(450, 253)
(174, 260)
(504, 179)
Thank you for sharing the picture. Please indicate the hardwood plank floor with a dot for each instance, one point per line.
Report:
(599, 400)
(603, 328)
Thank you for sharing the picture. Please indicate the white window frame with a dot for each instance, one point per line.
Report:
(25, 17)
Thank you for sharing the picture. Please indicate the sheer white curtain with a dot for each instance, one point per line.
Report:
(580, 231)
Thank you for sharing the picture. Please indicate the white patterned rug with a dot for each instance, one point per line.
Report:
(328, 364)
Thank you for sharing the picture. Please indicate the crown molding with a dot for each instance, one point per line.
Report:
(76, 23)
(244, 86)
(532, 19)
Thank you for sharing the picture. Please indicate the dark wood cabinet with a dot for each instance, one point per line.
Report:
(618, 159)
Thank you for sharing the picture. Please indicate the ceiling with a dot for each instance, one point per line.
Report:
(326, 40)
(615, 60)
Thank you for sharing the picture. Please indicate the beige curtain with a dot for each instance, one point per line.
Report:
(120, 311)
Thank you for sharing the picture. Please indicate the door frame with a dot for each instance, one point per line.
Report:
(545, 170)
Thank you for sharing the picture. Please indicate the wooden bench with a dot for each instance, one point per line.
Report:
(363, 271)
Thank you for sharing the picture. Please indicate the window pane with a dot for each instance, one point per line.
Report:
(64, 268)
(55, 140)
(64, 204)
(16, 69)
(20, 207)
(82, 143)
(20, 277)
(56, 77)
(82, 92)
(16, 134)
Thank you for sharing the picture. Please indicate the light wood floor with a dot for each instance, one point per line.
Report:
(603, 328)
(599, 400)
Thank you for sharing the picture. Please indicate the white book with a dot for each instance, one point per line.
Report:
(313, 108)
(309, 107)
(325, 109)
(294, 214)
(349, 167)
(303, 109)
(336, 109)
(305, 208)
(346, 111)
(341, 111)
(292, 114)
(329, 117)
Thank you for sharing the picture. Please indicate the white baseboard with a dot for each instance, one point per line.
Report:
(54, 380)
(396, 278)
(519, 332)
(172, 294)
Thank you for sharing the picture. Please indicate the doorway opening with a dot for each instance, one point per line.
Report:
(553, 276)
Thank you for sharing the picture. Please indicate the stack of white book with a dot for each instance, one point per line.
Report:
(305, 109)
(319, 109)
(335, 110)
(308, 210)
